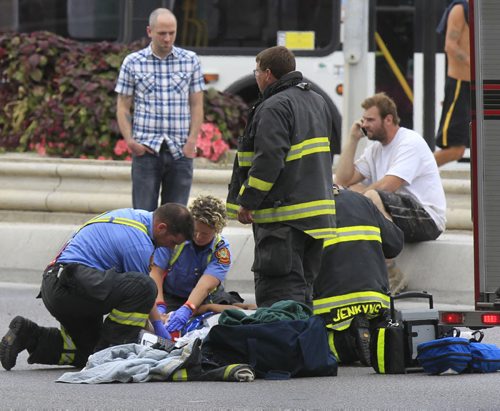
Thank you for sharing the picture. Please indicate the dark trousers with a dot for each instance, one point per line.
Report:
(78, 297)
(152, 172)
(286, 263)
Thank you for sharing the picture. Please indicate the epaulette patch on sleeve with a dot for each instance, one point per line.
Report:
(223, 255)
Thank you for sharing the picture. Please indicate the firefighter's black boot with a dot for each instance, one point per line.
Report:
(49, 349)
(22, 334)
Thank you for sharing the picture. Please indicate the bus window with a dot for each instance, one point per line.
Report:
(93, 19)
(33, 15)
(254, 24)
(395, 25)
(90, 20)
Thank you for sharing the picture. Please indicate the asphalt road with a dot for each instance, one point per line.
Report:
(33, 387)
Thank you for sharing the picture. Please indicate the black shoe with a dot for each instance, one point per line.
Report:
(20, 335)
(360, 330)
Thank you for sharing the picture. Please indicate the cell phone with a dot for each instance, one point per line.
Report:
(363, 131)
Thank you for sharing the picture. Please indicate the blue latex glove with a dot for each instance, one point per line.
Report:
(162, 308)
(160, 329)
(179, 318)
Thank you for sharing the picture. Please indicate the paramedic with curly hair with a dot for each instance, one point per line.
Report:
(192, 273)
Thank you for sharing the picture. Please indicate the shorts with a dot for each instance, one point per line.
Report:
(409, 215)
(455, 117)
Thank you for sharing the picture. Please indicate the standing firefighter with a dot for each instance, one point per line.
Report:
(352, 285)
(282, 180)
(101, 270)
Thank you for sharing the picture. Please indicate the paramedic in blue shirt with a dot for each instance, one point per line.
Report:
(164, 84)
(193, 272)
(103, 269)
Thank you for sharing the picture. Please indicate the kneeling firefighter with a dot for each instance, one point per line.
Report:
(103, 269)
(352, 287)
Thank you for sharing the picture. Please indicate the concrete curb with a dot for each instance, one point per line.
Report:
(89, 186)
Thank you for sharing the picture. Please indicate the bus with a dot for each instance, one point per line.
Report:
(406, 57)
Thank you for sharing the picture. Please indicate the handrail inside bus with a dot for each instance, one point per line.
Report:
(394, 67)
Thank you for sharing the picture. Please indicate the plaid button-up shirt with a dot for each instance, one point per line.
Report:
(161, 89)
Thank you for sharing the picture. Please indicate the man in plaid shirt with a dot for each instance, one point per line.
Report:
(165, 86)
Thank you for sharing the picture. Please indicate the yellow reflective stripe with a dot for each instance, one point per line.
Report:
(355, 233)
(259, 184)
(338, 240)
(131, 223)
(180, 375)
(117, 220)
(69, 349)
(214, 246)
(310, 146)
(358, 228)
(331, 343)
(94, 218)
(381, 350)
(242, 190)
(245, 158)
(447, 120)
(228, 370)
(232, 210)
(321, 233)
(295, 212)
(133, 319)
(177, 252)
(292, 212)
(325, 305)
(340, 326)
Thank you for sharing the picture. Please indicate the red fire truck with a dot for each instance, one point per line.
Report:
(484, 16)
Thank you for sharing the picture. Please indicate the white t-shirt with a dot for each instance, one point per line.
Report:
(408, 157)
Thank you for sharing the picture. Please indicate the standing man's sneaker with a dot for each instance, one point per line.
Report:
(360, 330)
(21, 335)
(397, 279)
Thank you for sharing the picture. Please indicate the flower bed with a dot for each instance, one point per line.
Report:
(57, 97)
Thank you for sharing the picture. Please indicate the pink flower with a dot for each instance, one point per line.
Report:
(121, 148)
(210, 142)
(40, 147)
(219, 147)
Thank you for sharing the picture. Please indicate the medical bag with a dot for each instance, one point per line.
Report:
(394, 341)
(275, 350)
(458, 355)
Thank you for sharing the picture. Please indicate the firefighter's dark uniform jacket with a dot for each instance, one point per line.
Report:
(102, 270)
(283, 173)
(353, 276)
(283, 167)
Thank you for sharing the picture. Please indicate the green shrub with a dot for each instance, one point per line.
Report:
(57, 97)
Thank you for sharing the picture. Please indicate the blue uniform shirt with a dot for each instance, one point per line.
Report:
(191, 264)
(109, 245)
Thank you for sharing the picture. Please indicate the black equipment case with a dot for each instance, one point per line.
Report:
(419, 324)
(394, 342)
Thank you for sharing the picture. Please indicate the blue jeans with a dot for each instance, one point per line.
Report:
(150, 172)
